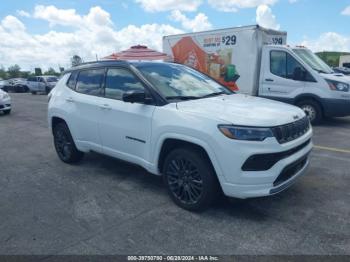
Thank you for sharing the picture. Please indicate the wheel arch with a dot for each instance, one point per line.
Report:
(168, 144)
(312, 97)
(56, 120)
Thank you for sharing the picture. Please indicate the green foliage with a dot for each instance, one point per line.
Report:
(3, 73)
(14, 71)
(51, 72)
(331, 58)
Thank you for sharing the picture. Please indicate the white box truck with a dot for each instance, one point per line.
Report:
(256, 61)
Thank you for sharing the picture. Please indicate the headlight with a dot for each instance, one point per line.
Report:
(246, 133)
(338, 86)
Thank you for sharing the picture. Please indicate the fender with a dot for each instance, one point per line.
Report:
(190, 139)
(306, 96)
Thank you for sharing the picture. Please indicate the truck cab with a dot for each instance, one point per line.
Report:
(297, 76)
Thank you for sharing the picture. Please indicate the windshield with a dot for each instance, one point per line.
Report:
(180, 82)
(52, 79)
(313, 61)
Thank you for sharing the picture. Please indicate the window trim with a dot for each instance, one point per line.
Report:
(157, 99)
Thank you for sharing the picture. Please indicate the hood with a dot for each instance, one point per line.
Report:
(337, 77)
(243, 110)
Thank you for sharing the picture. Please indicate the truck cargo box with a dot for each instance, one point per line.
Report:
(231, 56)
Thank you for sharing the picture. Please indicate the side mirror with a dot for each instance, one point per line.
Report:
(135, 96)
(298, 74)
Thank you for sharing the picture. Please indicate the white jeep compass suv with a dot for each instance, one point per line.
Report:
(176, 122)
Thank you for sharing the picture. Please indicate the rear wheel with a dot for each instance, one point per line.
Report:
(313, 111)
(190, 179)
(64, 144)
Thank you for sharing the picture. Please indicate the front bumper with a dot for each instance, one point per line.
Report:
(236, 182)
(336, 107)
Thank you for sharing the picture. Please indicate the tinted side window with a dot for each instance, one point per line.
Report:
(32, 79)
(72, 80)
(292, 65)
(120, 80)
(278, 62)
(89, 82)
(284, 65)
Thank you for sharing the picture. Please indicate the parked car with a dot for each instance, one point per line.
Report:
(41, 84)
(177, 122)
(5, 102)
(342, 70)
(2, 83)
(16, 85)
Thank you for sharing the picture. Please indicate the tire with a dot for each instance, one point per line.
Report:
(47, 90)
(7, 112)
(190, 179)
(64, 144)
(313, 110)
(33, 92)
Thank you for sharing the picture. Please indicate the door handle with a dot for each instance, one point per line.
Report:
(105, 107)
(269, 80)
(70, 100)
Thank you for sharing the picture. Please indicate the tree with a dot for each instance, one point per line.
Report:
(14, 71)
(3, 73)
(50, 71)
(76, 60)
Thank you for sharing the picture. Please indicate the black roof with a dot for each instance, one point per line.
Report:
(102, 63)
(97, 64)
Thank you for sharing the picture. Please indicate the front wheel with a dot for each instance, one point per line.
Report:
(64, 144)
(190, 179)
(313, 111)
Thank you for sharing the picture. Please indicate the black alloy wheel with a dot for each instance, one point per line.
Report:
(184, 180)
(64, 144)
(190, 178)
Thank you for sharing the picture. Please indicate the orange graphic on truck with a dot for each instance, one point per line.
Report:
(217, 65)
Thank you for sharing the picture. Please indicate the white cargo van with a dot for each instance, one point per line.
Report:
(256, 61)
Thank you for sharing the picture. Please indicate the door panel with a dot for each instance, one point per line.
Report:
(277, 77)
(125, 128)
(86, 114)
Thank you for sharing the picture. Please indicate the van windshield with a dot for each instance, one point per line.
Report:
(178, 82)
(313, 61)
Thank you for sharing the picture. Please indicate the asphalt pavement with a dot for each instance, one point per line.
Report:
(105, 206)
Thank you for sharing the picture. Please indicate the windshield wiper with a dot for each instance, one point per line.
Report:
(182, 97)
(214, 94)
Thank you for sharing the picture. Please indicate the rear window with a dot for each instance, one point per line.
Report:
(72, 80)
(89, 82)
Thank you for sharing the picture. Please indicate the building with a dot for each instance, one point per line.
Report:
(344, 61)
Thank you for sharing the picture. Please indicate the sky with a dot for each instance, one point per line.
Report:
(47, 33)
